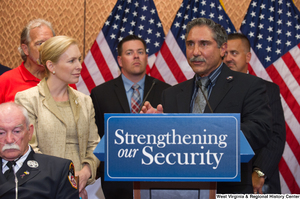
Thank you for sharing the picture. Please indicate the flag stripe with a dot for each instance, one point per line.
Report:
(86, 78)
(288, 176)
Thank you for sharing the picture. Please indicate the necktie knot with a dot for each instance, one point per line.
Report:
(205, 82)
(135, 86)
(10, 172)
(10, 164)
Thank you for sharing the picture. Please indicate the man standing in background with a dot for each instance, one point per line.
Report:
(265, 175)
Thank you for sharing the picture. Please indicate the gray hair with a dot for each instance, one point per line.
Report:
(20, 107)
(219, 33)
(25, 34)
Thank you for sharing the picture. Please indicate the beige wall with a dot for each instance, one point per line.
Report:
(81, 19)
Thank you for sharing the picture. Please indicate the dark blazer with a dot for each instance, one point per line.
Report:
(267, 158)
(110, 97)
(233, 92)
(3, 69)
(48, 180)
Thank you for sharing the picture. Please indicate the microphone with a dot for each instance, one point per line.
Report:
(200, 86)
(153, 83)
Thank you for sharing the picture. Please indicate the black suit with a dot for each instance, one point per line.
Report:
(267, 158)
(48, 180)
(233, 92)
(3, 69)
(110, 97)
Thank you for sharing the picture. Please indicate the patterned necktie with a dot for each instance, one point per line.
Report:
(135, 99)
(10, 172)
(200, 102)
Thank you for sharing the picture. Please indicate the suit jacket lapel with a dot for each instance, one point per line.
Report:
(184, 97)
(121, 94)
(222, 86)
(48, 101)
(75, 106)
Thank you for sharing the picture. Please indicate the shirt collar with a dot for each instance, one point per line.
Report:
(128, 83)
(27, 76)
(20, 161)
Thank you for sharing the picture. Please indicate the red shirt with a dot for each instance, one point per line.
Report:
(15, 80)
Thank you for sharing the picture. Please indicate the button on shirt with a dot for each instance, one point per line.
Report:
(128, 84)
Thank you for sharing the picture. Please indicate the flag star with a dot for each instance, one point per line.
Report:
(115, 26)
(212, 5)
(279, 11)
(152, 11)
(203, 2)
(278, 51)
(179, 14)
(278, 41)
(296, 17)
(288, 43)
(252, 24)
(183, 27)
(279, 22)
(269, 38)
(220, 17)
(141, 27)
(288, 34)
(253, 14)
(143, 18)
(271, 9)
(280, 2)
(107, 23)
(188, 7)
(144, 8)
(289, 14)
(268, 49)
(120, 39)
(254, 4)
(182, 37)
(134, 13)
(263, 6)
(177, 24)
(262, 16)
(297, 26)
(288, 4)
(228, 30)
(270, 29)
(186, 17)
(119, 7)
(149, 31)
(136, 4)
(122, 29)
(130, 32)
(112, 36)
(147, 40)
(140, 36)
(260, 36)
(211, 15)
(132, 23)
(202, 12)
(127, 10)
(147, 50)
(124, 20)
(220, 7)
(259, 46)
(251, 34)
(244, 22)
(289, 23)
(195, 9)
(297, 36)
(271, 18)
(261, 26)
(128, 1)
(268, 58)
(151, 21)
(156, 44)
(279, 31)
(158, 24)
(117, 17)
(158, 34)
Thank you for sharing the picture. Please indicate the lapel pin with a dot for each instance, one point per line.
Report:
(76, 101)
(32, 164)
(229, 78)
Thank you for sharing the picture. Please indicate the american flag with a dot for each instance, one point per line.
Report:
(171, 64)
(128, 17)
(273, 28)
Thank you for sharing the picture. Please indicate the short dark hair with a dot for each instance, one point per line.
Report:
(219, 33)
(242, 37)
(129, 38)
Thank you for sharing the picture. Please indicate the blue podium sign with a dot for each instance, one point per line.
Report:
(172, 147)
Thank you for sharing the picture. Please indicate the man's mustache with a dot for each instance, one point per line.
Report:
(10, 146)
(197, 59)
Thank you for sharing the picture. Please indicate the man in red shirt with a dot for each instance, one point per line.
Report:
(29, 73)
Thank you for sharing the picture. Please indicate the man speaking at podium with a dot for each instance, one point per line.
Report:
(25, 174)
(217, 89)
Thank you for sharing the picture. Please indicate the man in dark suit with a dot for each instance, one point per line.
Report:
(3, 69)
(265, 175)
(115, 97)
(227, 91)
(34, 175)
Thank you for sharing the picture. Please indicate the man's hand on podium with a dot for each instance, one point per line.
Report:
(147, 108)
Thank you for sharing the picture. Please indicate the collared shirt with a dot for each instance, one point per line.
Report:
(128, 84)
(19, 162)
(213, 76)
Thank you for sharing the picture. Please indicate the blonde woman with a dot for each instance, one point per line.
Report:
(63, 118)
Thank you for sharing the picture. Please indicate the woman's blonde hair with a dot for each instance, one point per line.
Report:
(53, 48)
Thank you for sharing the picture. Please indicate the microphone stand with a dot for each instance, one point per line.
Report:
(153, 83)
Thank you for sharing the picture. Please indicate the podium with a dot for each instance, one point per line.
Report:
(164, 150)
